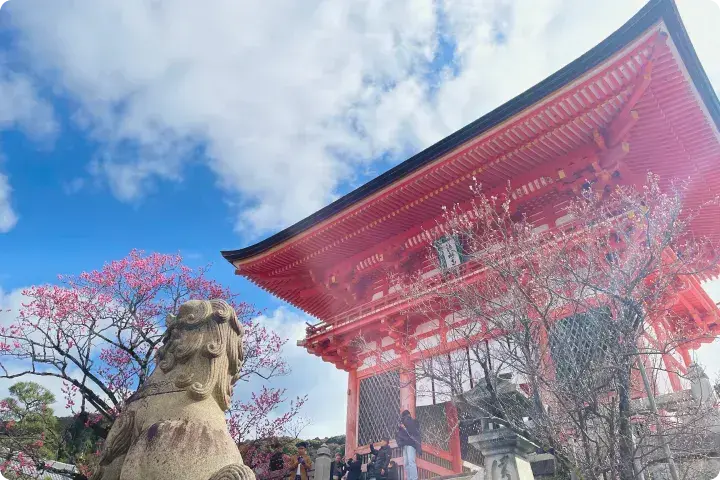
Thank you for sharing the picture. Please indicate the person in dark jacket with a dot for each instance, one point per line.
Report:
(381, 458)
(337, 468)
(277, 459)
(408, 438)
(353, 467)
(392, 471)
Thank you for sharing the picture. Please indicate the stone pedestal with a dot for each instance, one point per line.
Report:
(506, 455)
(322, 463)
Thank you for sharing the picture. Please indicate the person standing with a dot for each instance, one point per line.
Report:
(300, 464)
(337, 468)
(408, 438)
(277, 460)
(392, 471)
(354, 467)
(381, 458)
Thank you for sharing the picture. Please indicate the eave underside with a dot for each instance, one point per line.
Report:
(660, 118)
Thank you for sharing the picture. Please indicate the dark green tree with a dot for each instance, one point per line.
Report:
(29, 430)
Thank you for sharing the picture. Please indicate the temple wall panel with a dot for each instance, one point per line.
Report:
(427, 327)
(439, 376)
(368, 362)
(454, 318)
(427, 343)
(388, 356)
(454, 334)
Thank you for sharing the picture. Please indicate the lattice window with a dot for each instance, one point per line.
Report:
(580, 342)
(433, 425)
(470, 425)
(379, 407)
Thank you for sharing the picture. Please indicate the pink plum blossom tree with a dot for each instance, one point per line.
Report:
(98, 332)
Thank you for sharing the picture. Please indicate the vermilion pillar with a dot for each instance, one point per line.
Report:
(668, 360)
(451, 414)
(683, 350)
(672, 372)
(407, 386)
(351, 425)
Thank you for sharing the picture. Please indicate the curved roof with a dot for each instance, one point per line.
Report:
(653, 12)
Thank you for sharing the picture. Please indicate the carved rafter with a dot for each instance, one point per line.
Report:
(599, 163)
(337, 285)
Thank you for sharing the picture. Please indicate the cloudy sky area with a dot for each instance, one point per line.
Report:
(201, 126)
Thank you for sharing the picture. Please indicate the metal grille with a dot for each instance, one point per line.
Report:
(433, 425)
(469, 428)
(579, 344)
(379, 407)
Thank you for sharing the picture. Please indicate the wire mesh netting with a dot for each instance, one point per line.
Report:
(469, 426)
(433, 425)
(579, 342)
(379, 407)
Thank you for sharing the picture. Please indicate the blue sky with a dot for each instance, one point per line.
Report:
(201, 126)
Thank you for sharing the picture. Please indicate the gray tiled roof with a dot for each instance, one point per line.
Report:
(70, 469)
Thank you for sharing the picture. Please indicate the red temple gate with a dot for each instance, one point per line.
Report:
(638, 101)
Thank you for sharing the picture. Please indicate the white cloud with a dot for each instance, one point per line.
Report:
(8, 217)
(20, 107)
(263, 85)
(10, 304)
(289, 101)
(73, 186)
(325, 386)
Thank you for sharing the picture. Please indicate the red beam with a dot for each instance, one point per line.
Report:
(433, 450)
(628, 117)
(268, 276)
(431, 467)
(620, 128)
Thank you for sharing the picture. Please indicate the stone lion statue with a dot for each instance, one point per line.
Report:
(173, 427)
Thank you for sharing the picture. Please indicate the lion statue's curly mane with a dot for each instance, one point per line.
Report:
(173, 427)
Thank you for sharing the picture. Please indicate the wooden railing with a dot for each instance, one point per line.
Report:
(431, 463)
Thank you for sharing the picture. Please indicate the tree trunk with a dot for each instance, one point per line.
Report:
(585, 442)
(625, 443)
